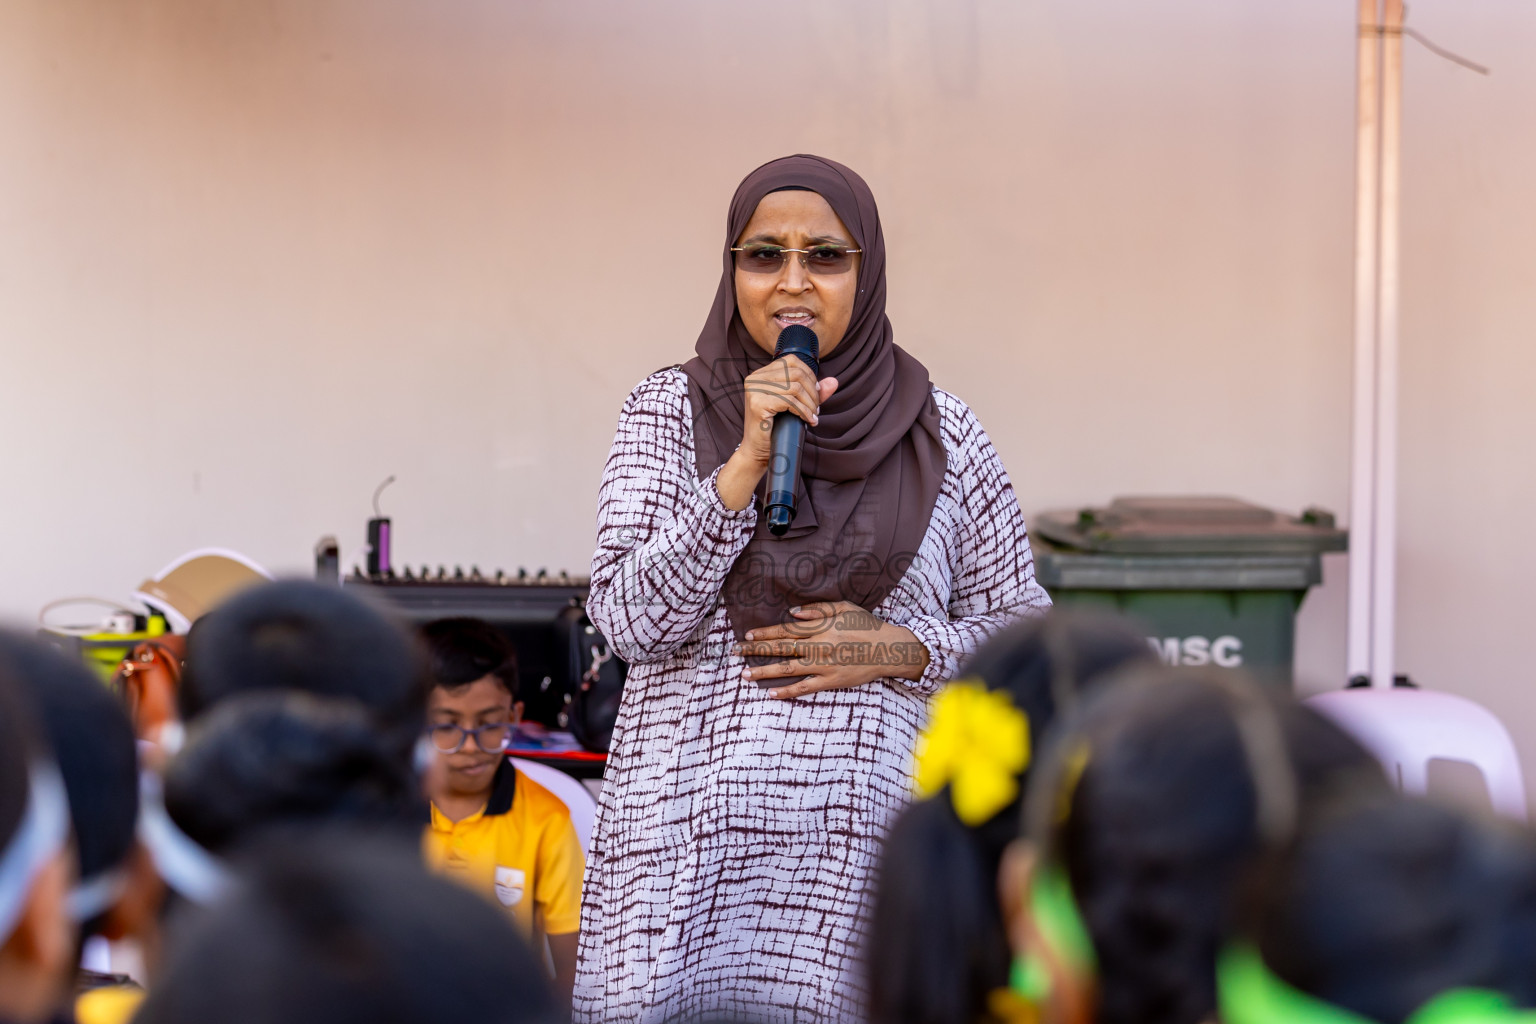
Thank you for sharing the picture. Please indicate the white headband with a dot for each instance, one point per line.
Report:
(43, 831)
(94, 896)
(183, 865)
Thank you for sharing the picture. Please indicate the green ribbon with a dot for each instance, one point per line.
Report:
(1250, 993)
(1061, 929)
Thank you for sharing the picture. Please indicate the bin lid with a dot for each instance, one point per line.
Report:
(1190, 526)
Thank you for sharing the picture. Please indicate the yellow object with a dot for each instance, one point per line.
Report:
(520, 852)
(103, 652)
(1071, 774)
(113, 1004)
(977, 744)
(1008, 1007)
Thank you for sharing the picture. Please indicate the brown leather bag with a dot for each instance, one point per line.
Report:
(148, 680)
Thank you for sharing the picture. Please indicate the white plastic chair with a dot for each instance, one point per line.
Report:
(570, 791)
(1408, 728)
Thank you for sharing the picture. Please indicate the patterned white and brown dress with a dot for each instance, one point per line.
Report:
(732, 860)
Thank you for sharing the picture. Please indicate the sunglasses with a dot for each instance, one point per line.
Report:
(771, 259)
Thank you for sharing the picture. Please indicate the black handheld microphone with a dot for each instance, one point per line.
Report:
(789, 432)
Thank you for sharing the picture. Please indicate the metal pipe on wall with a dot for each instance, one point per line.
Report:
(1384, 560)
(1362, 497)
(1373, 484)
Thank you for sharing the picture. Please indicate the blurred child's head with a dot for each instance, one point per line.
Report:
(937, 945)
(37, 865)
(1381, 906)
(296, 635)
(93, 744)
(263, 761)
(340, 929)
(1143, 814)
(473, 701)
(463, 650)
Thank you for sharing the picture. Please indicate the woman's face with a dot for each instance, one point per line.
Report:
(770, 302)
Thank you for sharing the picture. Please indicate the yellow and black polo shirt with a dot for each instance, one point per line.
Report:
(521, 851)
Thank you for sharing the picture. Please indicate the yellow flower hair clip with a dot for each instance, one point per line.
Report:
(977, 744)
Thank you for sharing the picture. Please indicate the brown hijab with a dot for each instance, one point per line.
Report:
(870, 469)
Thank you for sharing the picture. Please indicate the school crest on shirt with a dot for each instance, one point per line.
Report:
(509, 886)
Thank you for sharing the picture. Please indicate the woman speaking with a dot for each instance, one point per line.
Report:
(777, 682)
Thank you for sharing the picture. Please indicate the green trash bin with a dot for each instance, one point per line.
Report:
(1214, 581)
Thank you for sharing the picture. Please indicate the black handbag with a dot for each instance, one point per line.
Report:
(596, 677)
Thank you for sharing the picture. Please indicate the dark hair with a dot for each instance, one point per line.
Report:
(93, 743)
(285, 760)
(340, 929)
(462, 650)
(20, 743)
(937, 946)
(1383, 904)
(1163, 821)
(297, 635)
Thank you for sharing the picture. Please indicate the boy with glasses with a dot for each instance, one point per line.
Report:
(494, 829)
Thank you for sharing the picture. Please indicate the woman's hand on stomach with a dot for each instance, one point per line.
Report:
(835, 645)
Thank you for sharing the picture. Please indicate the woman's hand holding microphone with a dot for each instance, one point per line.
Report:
(784, 385)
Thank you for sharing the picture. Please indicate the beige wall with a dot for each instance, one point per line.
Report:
(1468, 484)
(257, 255)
